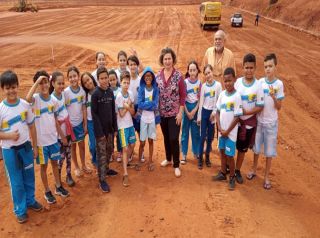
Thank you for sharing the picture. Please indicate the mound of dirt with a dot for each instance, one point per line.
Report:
(299, 13)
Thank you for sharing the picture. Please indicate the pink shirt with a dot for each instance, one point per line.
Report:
(172, 94)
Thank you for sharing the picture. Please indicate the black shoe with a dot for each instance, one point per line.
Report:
(23, 218)
(104, 187)
(232, 182)
(200, 162)
(62, 192)
(208, 162)
(111, 173)
(36, 206)
(70, 181)
(238, 176)
(219, 177)
(50, 198)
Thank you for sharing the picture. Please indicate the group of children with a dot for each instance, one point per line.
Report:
(111, 105)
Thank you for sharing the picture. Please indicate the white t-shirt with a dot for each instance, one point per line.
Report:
(209, 96)
(94, 75)
(269, 114)
(115, 93)
(251, 95)
(134, 87)
(193, 89)
(74, 102)
(45, 110)
(88, 106)
(62, 112)
(126, 121)
(148, 116)
(229, 106)
(16, 117)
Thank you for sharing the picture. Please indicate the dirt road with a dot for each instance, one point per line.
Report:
(157, 204)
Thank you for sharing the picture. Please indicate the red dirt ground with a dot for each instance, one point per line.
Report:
(157, 204)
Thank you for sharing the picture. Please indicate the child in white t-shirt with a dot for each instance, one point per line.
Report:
(76, 106)
(229, 108)
(127, 137)
(17, 126)
(100, 62)
(45, 108)
(267, 129)
(56, 90)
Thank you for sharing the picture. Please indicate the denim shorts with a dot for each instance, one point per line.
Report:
(227, 145)
(266, 139)
(147, 130)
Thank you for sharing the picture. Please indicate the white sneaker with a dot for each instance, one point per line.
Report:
(165, 162)
(184, 159)
(177, 172)
(142, 159)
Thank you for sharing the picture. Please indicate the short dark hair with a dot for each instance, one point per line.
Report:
(40, 73)
(124, 74)
(249, 58)
(229, 71)
(271, 56)
(134, 59)
(101, 70)
(9, 78)
(121, 52)
(165, 51)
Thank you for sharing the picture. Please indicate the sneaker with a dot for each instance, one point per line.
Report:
(219, 177)
(104, 187)
(177, 172)
(165, 162)
(238, 176)
(50, 198)
(200, 163)
(232, 182)
(70, 181)
(36, 207)
(62, 192)
(142, 159)
(184, 159)
(112, 173)
(23, 218)
(125, 180)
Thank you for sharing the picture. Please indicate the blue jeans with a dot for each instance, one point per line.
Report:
(92, 143)
(19, 168)
(206, 131)
(188, 125)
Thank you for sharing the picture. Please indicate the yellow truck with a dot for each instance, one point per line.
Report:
(210, 14)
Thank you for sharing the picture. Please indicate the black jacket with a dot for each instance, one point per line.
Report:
(103, 112)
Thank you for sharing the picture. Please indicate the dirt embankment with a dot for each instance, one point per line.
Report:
(299, 13)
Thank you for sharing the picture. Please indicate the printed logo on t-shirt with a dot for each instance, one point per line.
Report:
(229, 106)
(5, 125)
(250, 98)
(210, 94)
(149, 99)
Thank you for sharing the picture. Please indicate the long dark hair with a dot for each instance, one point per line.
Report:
(187, 75)
(53, 79)
(82, 85)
